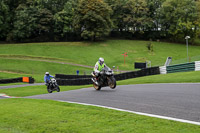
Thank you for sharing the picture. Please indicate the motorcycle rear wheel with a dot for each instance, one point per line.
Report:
(96, 87)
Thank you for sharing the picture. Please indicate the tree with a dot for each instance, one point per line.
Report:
(153, 13)
(30, 22)
(197, 28)
(179, 19)
(44, 21)
(92, 19)
(53, 5)
(63, 26)
(24, 23)
(135, 15)
(118, 13)
(4, 19)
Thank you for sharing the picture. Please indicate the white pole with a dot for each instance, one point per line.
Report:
(187, 37)
(187, 49)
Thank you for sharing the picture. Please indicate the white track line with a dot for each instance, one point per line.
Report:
(6, 96)
(139, 113)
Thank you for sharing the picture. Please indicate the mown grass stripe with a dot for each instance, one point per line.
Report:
(139, 113)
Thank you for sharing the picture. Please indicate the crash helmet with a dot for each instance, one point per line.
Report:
(47, 73)
(101, 60)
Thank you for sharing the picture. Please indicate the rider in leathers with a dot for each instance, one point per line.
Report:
(97, 68)
(47, 78)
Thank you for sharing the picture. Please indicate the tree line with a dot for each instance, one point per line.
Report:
(71, 20)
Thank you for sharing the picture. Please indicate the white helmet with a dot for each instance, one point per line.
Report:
(47, 73)
(101, 60)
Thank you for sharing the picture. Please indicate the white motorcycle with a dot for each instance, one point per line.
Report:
(53, 86)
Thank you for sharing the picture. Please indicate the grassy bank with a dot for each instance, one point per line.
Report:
(87, 53)
(7, 75)
(36, 90)
(35, 59)
(37, 69)
(28, 115)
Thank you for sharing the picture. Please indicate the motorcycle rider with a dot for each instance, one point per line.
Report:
(97, 69)
(47, 78)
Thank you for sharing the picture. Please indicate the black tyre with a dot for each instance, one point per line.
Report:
(49, 89)
(58, 89)
(112, 83)
(98, 88)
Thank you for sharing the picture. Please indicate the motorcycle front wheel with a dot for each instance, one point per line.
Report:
(96, 87)
(49, 89)
(113, 83)
(58, 89)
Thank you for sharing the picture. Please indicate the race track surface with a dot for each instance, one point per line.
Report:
(180, 101)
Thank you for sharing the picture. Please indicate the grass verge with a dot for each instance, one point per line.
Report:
(181, 77)
(35, 68)
(31, 115)
(36, 90)
(9, 74)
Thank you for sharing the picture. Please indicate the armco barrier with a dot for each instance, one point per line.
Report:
(181, 68)
(140, 73)
(63, 76)
(16, 80)
(86, 79)
(197, 65)
(193, 66)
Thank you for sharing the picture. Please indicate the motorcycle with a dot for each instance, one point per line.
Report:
(106, 78)
(53, 86)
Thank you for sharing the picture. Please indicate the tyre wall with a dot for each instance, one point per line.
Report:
(16, 80)
(86, 79)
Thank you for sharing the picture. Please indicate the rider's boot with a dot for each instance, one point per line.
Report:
(94, 79)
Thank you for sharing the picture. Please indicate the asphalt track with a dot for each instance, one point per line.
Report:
(180, 101)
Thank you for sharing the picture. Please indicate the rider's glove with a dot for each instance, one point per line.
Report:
(96, 73)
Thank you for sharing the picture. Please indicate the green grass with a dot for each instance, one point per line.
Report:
(181, 77)
(38, 68)
(197, 41)
(88, 53)
(36, 116)
(7, 75)
(4, 75)
(28, 58)
(10, 84)
(36, 90)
